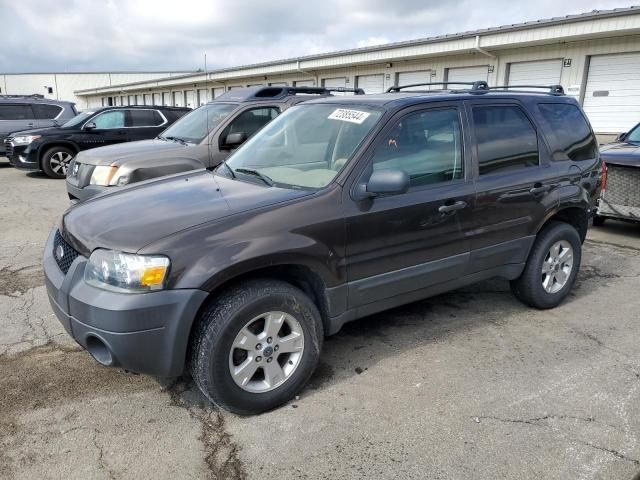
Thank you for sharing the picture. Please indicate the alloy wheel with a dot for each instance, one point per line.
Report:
(557, 266)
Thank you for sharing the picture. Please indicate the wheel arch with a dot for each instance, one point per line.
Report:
(44, 148)
(573, 214)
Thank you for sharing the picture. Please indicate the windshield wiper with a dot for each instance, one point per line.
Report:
(177, 139)
(256, 173)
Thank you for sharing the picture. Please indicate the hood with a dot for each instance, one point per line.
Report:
(41, 131)
(135, 216)
(121, 152)
(624, 153)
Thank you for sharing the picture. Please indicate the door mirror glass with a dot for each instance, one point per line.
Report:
(90, 126)
(234, 140)
(388, 181)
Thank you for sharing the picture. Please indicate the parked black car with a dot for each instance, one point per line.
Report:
(337, 209)
(51, 149)
(201, 139)
(620, 198)
(22, 112)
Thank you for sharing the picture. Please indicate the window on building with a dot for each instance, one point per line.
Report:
(505, 138)
(427, 145)
(569, 133)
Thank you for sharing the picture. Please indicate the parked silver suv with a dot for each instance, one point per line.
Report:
(32, 111)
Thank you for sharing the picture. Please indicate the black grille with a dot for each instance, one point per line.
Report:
(8, 147)
(623, 186)
(64, 253)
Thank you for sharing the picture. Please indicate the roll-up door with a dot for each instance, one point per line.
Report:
(543, 72)
(409, 78)
(468, 74)
(371, 83)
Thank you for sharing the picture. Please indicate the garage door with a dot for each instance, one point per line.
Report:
(305, 83)
(468, 74)
(408, 78)
(156, 99)
(166, 99)
(371, 83)
(544, 72)
(217, 91)
(335, 83)
(178, 99)
(278, 84)
(203, 96)
(190, 100)
(612, 95)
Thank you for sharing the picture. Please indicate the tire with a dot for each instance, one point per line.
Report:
(213, 355)
(55, 161)
(598, 221)
(529, 288)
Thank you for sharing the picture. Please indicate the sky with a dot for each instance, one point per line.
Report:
(115, 35)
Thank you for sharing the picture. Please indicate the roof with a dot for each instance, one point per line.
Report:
(592, 15)
(32, 99)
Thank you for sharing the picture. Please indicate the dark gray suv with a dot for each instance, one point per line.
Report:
(34, 111)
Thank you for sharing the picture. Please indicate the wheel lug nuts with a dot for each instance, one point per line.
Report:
(258, 359)
(276, 348)
(269, 359)
(258, 346)
(269, 340)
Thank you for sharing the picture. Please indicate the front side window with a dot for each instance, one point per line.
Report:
(196, 125)
(250, 121)
(426, 145)
(505, 138)
(570, 135)
(634, 135)
(285, 152)
(44, 111)
(15, 111)
(112, 119)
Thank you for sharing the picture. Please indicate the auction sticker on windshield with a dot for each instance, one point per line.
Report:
(346, 115)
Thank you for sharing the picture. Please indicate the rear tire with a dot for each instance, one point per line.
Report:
(598, 221)
(552, 267)
(56, 160)
(246, 333)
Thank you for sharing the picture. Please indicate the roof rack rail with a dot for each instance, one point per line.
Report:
(320, 90)
(551, 89)
(356, 91)
(33, 95)
(477, 86)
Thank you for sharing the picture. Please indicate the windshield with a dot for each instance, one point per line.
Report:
(305, 147)
(196, 125)
(78, 119)
(634, 135)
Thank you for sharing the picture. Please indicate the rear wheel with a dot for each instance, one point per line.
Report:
(256, 346)
(56, 160)
(552, 267)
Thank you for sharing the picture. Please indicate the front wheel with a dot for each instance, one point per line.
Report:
(56, 160)
(256, 346)
(552, 267)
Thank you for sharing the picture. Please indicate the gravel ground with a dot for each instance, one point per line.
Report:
(467, 385)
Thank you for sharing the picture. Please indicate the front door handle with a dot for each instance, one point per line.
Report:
(539, 188)
(459, 205)
(30, 124)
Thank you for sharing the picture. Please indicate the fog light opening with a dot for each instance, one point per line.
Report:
(99, 351)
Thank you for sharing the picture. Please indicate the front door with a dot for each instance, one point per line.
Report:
(403, 243)
(110, 128)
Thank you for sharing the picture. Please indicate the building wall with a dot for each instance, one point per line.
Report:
(64, 85)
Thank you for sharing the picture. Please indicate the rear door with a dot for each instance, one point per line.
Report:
(15, 117)
(143, 124)
(516, 184)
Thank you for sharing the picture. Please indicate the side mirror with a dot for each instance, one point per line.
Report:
(621, 137)
(90, 126)
(390, 181)
(234, 140)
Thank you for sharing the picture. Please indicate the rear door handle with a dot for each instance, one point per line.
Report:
(30, 124)
(459, 205)
(537, 189)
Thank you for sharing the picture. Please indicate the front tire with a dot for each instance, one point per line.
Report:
(56, 160)
(552, 267)
(256, 346)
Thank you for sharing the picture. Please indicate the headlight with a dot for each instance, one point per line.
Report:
(103, 175)
(25, 139)
(126, 272)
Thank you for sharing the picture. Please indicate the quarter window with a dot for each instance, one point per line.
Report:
(43, 111)
(569, 134)
(505, 138)
(15, 111)
(427, 145)
(112, 119)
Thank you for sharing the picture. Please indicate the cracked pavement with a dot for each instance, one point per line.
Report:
(466, 385)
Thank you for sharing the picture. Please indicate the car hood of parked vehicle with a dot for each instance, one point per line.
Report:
(627, 154)
(121, 152)
(137, 215)
(45, 131)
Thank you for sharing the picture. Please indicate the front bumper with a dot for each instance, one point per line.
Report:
(23, 157)
(80, 194)
(145, 333)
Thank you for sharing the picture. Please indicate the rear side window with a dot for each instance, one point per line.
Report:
(570, 136)
(15, 111)
(506, 139)
(145, 118)
(43, 111)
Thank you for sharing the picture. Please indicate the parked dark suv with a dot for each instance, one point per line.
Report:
(22, 112)
(337, 209)
(201, 139)
(51, 149)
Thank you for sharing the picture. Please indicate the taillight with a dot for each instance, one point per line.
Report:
(603, 177)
